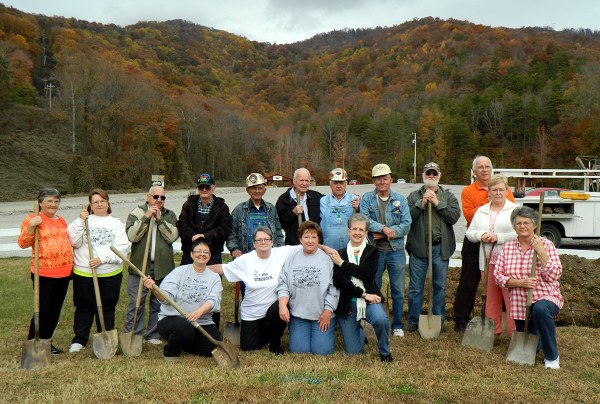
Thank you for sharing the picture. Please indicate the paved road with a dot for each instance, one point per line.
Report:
(12, 213)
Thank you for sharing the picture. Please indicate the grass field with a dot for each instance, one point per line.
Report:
(439, 370)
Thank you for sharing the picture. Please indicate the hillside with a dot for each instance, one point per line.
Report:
(179, 98)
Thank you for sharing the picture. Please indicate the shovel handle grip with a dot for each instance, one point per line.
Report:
(166, 297)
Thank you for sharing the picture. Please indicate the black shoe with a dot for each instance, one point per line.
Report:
(411, 327)
(460, 326)
(55, 351)
(278, 351)
(386, 358)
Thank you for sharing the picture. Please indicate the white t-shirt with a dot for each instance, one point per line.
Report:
(261, 277)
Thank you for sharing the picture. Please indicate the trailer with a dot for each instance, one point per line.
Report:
(573, 214)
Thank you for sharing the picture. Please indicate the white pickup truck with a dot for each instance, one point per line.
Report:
(574, 214)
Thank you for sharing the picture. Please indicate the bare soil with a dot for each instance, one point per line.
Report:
(579, 285)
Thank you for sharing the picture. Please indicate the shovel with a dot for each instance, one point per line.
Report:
(430, 325)
(480, 330)
(232, 330)
(225, 353)
(523, 345)
(130, 343)
(36, 351)
(105, 343)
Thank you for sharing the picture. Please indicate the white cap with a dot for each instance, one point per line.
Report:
(381, 169)
(338, 174)
(254, 179)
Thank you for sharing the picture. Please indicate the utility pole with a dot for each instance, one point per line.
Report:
(414, 178)
(49, 87)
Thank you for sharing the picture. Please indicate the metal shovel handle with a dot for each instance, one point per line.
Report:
(166, 297)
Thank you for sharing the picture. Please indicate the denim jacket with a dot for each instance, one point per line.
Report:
(397, 216)
(238, 237)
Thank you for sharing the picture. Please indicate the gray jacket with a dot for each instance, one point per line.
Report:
(449, 211)
(137, 227)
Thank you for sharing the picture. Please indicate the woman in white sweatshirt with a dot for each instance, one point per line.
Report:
(491, 226)
(105, 231)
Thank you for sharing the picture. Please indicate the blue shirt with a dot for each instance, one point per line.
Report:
(334, 219)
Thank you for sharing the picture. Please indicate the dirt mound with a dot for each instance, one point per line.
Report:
(579, 286)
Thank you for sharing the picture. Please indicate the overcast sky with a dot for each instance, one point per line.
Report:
(285, 21)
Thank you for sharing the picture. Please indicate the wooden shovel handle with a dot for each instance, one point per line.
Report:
(534, 263)
(36, 274)
(95, 278)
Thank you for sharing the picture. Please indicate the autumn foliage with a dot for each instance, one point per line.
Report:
(177, 98)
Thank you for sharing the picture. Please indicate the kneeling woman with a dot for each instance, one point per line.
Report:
(513, 272)
(197, 290)
(354, 275)
(259, 270)
(306, 285)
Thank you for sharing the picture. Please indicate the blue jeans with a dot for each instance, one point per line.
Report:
(542, 324)
(305, 336)
(417, 270)
(396, 266)
(354, 336)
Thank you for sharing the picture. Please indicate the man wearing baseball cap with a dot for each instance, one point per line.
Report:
(204, 215)
(445, 212)
(389, 223)
(336, 209)
(249, 215)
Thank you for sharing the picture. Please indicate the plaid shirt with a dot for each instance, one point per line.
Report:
(514, 264)
(205, 209)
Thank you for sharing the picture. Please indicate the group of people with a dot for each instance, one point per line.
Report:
(311, 262)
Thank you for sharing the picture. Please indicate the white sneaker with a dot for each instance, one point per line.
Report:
(555, 364)
(398, 332)
(75, 347)
(153, 341)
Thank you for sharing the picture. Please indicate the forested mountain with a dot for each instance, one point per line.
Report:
(178, 98)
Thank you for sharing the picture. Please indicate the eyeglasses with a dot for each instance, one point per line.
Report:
(262, 240)
(431, 173)
(204, 187)
(98, 203)
(203, 252)
(157, 197)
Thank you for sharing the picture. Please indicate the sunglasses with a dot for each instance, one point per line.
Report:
(157, 197)
(204, 187)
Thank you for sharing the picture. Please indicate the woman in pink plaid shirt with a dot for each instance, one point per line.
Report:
(513, 272)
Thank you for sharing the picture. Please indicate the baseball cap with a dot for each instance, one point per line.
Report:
(431, 166)
(381, 169)
(204, 179)
(254, 179)
(338, 174)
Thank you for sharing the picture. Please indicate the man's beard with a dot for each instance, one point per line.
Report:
(431, 183)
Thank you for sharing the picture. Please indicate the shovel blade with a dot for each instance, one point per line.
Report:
(105, 344)
(479, 334)
(430, 326)
(522, 348)
(130, 344)
(35, 354)
(226, 355)
(232, 333)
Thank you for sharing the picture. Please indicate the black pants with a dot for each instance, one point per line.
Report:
(469, 281)
(86, 308)
(182, 336)
(269, 329)
(52, 297)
